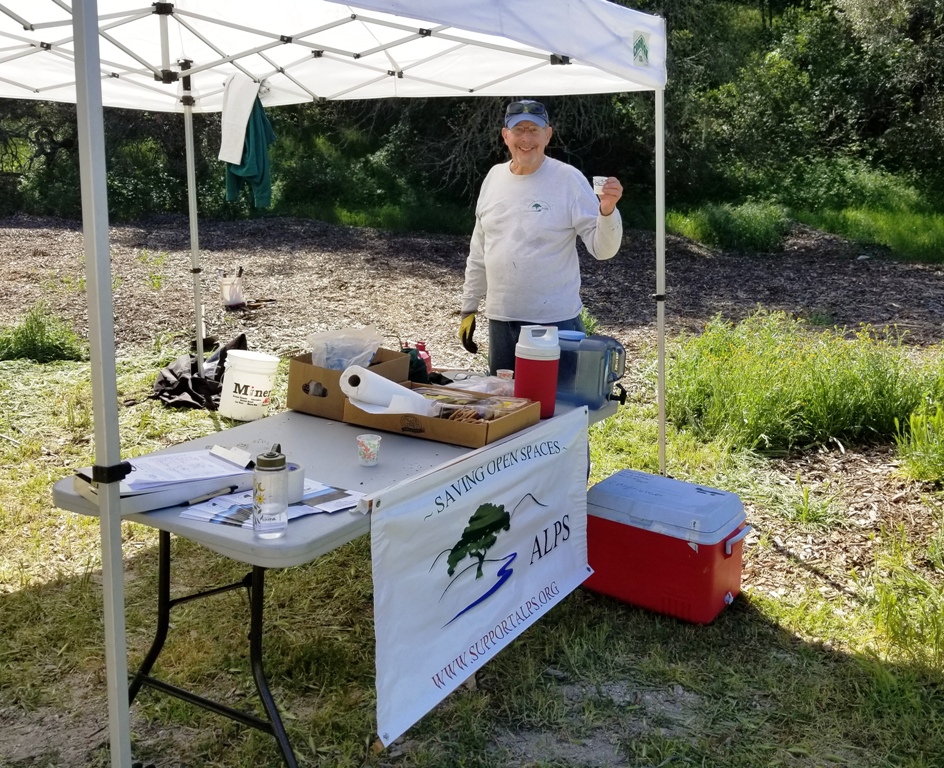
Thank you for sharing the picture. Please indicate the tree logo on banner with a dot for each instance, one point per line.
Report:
(478, 537)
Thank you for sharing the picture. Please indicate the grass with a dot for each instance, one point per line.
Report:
(912, 235)
(909, 606)
(425, 216)
(797, 676)
(155, 280)
(841, 196)
(746, 227)
(770, 384)
(921, 444)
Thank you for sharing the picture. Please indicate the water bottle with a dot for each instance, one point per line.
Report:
(270, 494)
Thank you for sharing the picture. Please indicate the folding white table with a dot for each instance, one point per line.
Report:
(328, 453)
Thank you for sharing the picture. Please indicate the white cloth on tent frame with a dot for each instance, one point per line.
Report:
(239, 94)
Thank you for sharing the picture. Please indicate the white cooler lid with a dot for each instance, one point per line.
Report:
(685, 511)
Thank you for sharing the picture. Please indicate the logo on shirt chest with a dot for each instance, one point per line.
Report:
(538, 206)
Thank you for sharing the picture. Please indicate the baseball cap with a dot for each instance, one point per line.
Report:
(526, 109)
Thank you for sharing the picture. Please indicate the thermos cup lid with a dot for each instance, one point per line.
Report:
(538, 342)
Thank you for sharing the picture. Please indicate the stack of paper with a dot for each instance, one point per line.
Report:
(169, 479)
(150, 473)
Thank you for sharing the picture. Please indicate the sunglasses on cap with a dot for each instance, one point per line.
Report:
(525, 107)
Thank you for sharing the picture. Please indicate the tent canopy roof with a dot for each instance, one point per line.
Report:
(320, 49)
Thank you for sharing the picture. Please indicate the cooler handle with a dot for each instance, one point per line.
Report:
(729, 544)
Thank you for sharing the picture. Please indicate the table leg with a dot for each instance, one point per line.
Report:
(254, 583)
(163, 616)
(256, 593)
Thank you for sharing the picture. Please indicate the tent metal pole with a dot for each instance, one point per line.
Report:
(91, 133)
(660, 265)
(194, 237)
(165, 47)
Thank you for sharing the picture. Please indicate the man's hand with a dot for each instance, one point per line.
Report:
(466, 331)
(612, 192)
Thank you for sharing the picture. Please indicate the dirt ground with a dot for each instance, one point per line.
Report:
(325, 277)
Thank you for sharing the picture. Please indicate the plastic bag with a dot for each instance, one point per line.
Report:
(340, 349)
(489, 385)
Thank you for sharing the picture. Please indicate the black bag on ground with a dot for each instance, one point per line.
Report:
(179, 385)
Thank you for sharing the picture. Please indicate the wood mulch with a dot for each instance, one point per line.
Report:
(408, 285)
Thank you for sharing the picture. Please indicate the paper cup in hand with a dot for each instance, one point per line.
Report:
(368, 450)
(598, 182)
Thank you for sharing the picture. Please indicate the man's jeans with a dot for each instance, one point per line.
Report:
(503, 336)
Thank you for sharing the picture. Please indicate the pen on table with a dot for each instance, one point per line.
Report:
(208, 496)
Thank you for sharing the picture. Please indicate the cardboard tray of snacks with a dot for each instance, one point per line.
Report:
(471, 433)
(316, 390)
(666, 545)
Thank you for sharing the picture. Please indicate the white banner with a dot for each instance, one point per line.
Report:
(468, 556)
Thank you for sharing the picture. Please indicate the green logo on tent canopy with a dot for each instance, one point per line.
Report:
(641, 49)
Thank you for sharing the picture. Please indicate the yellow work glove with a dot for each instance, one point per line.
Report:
(466, 331)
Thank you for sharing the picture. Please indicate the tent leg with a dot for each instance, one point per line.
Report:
(91, 133)
(194, 237)
(660, 265)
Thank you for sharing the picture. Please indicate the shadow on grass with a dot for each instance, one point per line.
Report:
(596, 682)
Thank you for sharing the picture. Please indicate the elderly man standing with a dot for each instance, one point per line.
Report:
(523, 255)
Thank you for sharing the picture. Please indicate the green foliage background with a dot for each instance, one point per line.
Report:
(813, 105)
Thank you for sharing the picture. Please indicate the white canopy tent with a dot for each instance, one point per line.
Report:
(175, 57)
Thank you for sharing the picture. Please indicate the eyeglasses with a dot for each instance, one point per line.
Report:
(525, 107)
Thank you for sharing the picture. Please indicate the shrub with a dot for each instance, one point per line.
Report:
(42, 338)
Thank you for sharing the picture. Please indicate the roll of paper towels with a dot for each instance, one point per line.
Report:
(375, 394)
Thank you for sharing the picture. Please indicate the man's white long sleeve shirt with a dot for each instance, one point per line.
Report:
(523, 254)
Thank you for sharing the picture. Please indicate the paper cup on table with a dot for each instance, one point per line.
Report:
(505, 373)
(598, 182)
(368, 450)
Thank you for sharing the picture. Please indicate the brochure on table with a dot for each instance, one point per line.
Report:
(236, 508)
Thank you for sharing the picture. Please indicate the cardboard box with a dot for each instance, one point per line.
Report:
(316, 390)
(672, 547)
(473, 435)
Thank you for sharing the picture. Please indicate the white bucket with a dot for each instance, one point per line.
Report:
(232, 290)
(247, 384)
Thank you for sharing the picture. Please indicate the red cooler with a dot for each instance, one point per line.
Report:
(668, 546)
